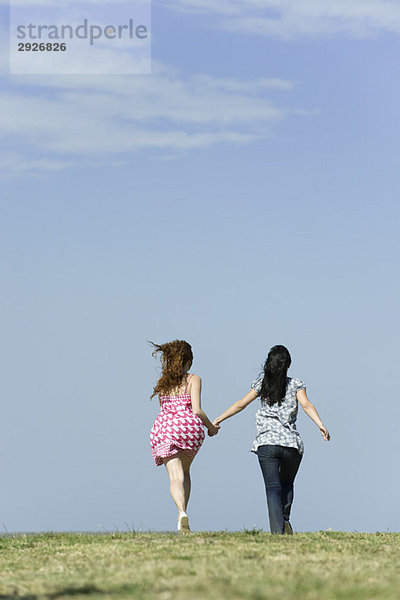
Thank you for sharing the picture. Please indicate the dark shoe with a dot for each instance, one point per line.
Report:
(287, 529)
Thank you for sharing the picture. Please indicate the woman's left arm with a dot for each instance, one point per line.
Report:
(311, 411)
(236, 407)
(195, 393)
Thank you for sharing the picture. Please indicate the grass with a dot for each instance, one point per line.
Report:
(237, 566)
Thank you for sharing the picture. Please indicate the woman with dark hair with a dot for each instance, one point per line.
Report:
(278, 444)
(178, 431)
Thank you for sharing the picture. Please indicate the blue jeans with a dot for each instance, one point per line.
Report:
(279, 466)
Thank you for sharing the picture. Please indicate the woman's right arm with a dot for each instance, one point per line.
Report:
(236, 407)
(311, 411)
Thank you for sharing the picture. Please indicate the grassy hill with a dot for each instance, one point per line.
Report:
(248, 566)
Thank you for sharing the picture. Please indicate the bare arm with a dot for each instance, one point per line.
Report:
(236, 407)
(311, 411)
(195, 392)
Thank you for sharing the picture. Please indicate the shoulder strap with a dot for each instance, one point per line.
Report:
(187, 382)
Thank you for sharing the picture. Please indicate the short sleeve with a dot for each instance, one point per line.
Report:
(256, 386)
(300, 385)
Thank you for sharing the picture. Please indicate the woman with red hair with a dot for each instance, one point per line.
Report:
(178, 431)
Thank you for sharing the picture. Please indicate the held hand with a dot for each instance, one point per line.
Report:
(213, 430)
(325, 433)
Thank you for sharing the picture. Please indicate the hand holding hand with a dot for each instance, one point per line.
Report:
(213, 430)
(325, 433)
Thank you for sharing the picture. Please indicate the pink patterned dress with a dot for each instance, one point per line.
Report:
(176, 428)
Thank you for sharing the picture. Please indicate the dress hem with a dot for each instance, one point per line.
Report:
(168, 450)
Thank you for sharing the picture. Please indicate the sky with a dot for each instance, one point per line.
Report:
(244, 194)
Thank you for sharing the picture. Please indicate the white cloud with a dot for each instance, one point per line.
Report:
(56, 121)
(289, 19)
(222, 7)
(249, 87)
(13, 164)
(69, 3)
(92, 117)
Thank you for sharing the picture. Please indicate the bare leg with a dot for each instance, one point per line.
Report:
(186, 462)
(176, 480)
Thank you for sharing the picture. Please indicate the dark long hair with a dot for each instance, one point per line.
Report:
(273, 387)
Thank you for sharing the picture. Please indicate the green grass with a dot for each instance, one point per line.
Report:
(248, 566)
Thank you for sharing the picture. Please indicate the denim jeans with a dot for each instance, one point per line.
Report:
(279, 466)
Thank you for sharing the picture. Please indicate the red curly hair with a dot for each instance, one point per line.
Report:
(174, 356)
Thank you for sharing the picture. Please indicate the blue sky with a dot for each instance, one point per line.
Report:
(244, 194)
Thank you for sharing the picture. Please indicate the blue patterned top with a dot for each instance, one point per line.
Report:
(276, 425)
